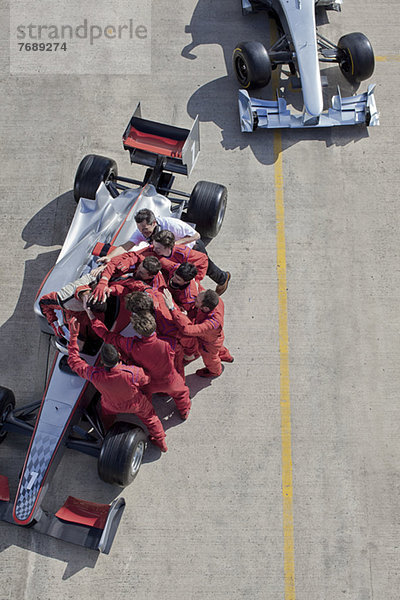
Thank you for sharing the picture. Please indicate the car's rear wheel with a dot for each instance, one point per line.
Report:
(252, 64)
(121, 454)
(356, 60)
(206, 207)
(7, 404)
(92, 170)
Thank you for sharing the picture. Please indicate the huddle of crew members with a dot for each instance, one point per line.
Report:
(166, 320)
(148, 225)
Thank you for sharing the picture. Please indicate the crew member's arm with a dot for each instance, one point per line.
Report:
(141, 379)
(116, 252)
(183, 232)
(76, 363)
(118, 288)
(184, 323)
(187, 239)
(194, 330)
(136, 242)
(97, 270)
(118, 265)
(124, 287)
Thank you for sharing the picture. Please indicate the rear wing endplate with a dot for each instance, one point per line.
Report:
(146, 140)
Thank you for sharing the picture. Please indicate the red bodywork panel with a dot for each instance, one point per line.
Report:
(101, 249)
(82, 512)
(154, 143)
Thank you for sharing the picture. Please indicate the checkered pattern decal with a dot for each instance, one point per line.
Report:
(41, 451)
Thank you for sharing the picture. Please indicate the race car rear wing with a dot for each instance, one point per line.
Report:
(149, 140)
(274, 114)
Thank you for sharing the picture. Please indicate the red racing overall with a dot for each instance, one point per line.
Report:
(208, 329)
(119, 389)
(156, 357)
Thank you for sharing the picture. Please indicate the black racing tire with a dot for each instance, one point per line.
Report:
(356, 61)
(252, 65)
(121, 454)
(92, 170)
(7, 404)
(206, 207)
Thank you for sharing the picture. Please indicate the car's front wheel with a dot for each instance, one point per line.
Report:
(356, 59)
(252, 64)
(93, 170)
(206, 207)
(121, 453)
(7, 404)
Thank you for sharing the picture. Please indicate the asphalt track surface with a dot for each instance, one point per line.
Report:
(284, 482)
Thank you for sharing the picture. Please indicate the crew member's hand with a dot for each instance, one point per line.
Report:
(168, 299)
(97, 270)
(58, 329)
(73, 327)
(103, 260)
(100, 292)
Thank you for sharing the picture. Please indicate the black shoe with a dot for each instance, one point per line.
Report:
(220, 289)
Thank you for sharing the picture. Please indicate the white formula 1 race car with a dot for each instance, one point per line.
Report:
(67, 415)
(301, 47)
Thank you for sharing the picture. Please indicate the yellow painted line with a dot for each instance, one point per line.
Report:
(286, 443)
(286, 426)
(286, 429)
(389, 58)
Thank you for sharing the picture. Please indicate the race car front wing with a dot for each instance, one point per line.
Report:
(249, 6)
(271, 114)
(81, 522)
(87, 524)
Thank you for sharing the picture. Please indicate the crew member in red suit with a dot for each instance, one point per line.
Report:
(118, 385)
(184, 288)
(155, 356)
(153, 301)
(70, 301)
(125, 269)
(207, 328)
(164, 247)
